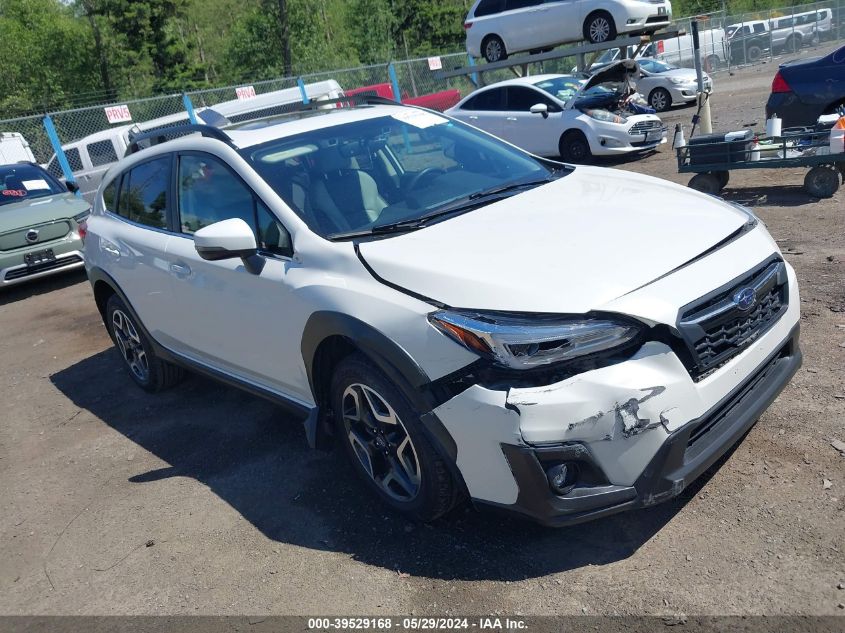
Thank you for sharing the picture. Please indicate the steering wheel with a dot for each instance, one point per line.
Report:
(428, 172)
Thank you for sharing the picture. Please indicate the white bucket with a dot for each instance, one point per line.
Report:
(837, 137)
(773, 126)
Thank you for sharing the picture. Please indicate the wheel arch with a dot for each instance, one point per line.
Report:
(329, 337)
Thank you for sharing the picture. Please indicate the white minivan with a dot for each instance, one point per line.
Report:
(498, 28)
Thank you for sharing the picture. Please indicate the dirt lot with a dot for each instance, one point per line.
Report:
(206, 500)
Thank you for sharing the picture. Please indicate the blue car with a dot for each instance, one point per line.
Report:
(805, 89)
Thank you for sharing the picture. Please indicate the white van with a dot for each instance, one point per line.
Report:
(14, 149)
(678, 51)
(92, 156)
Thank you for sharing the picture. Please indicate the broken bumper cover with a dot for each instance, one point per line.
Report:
(684, 455)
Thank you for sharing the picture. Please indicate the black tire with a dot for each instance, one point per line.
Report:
(359, 383)
(822, 181)
(705, 183)
(724, 177)
(574, 147)
(753, 53)
(493, 49)
(793, 43)
(660, 99)
(147, 370)
(599, 27)
(714, 62)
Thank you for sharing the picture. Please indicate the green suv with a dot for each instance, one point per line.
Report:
(39, 224)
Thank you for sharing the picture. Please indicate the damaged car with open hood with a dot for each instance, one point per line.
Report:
(567, 115)
(462, 319)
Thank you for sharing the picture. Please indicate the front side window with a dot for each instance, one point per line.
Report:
(520, 99)
(24, 182)
(368, 174)
(74, 161)
(101, 153)
(210, 192)
(143, 193)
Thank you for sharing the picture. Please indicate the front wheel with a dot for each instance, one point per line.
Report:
(660, 99)
(599, 27)
(147, 370)
(574, 147)
(384, 439)
(706, 183)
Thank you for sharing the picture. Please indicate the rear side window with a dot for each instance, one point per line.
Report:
(488, 100)
(73, 159)
(101, 153)
(510, 5)
(489, 7)
(143, 193)
(760, 28)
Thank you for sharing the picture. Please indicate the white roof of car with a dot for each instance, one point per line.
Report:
(527, 81)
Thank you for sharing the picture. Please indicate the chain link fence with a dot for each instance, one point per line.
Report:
(95, 136)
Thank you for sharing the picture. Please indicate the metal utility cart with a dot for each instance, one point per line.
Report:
(712, 162)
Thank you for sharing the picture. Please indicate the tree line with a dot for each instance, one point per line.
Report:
(67, 53)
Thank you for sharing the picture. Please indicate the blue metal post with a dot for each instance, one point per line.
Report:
(397, 94)
(303, 91)
(189, 107)
(473, 76)
(60, 153)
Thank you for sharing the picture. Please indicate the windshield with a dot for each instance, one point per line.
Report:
(22, 181)
(561, 87)
(654, 66)
(365, 175)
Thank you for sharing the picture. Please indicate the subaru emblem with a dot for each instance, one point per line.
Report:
(745, 298)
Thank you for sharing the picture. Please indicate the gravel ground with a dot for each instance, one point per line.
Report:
(204, 500)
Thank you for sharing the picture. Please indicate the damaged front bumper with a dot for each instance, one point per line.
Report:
(657, 430)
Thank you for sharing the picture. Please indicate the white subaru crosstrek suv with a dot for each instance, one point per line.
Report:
(463, 319)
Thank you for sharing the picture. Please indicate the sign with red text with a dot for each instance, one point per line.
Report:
(118, 114)
(245, 92)
(435, 63)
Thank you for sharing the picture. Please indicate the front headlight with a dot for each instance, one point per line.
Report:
(604, 115)
(525, 343)
(679, 81)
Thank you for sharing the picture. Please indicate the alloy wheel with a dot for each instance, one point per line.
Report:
(493, 50)
(658, 100)
(381, 442)
(130, 346)
(599, 29)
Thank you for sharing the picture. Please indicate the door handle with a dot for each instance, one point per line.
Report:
(111, 250)
(473, 118)
(180, 270)
(511, 118)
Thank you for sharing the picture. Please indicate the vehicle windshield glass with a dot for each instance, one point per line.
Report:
(561, 87)
(654, 66)
(21, 181)
(363, 175)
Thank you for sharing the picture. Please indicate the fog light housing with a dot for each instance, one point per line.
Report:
(562, 477)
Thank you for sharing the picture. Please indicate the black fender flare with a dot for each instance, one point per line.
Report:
(390, 358)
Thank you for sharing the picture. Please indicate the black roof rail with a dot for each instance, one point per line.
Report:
(164, 134)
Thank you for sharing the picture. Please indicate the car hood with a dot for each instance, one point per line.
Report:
(567, 247)
(617, 71)
(40, 210)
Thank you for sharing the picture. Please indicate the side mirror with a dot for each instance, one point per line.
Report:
(540, 108)
(72, 186)
(229, 239)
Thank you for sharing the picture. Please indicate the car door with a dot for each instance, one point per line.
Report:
(227, 317)
(524, 24)
(132, 242)
(562, 21)
(532, 132)
(485, 110)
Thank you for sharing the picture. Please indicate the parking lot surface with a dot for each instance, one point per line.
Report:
(205, 500)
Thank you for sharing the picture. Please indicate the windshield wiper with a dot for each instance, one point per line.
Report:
(462, 205)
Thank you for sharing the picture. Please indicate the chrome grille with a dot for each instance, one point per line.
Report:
(716, 329)
(641, 127)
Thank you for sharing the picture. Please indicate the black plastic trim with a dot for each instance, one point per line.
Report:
(397, 287)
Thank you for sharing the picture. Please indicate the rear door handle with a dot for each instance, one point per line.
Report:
(111, 250)
(473, 118)
(511, 118)
(180, 270)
